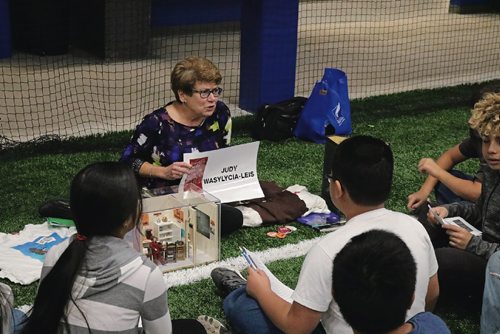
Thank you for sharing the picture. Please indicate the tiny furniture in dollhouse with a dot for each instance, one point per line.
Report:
(179, 229)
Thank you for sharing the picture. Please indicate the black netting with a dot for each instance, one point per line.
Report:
(388, 46)
(80, 68)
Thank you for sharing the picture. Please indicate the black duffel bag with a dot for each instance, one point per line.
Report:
(277, 121)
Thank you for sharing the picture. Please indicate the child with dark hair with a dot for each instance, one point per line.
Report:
(374, 279)
(462, 264)
(95, 281)
(360, 183)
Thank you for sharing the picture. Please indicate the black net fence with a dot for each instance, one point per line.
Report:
(72, 68)
(392, 46)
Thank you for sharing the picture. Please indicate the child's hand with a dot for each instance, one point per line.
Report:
(438, 210)
(417, 199)
(459, 237)
(257, 283)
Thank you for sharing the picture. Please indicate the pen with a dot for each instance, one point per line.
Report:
(248, 258)
(244, 254)
(435, 215)
(245, 257)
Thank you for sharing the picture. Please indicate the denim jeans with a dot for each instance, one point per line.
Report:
(490, 315)
(245, 315)
(18, 317)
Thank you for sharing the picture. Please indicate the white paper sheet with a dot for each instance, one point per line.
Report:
(230, 173)
(276, 285)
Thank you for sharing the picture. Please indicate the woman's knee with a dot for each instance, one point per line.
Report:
(231, 219)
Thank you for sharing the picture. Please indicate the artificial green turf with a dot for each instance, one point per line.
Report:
(416, 124)
(210, 303)
(461, 318)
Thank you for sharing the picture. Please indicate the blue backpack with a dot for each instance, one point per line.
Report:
(327, 111)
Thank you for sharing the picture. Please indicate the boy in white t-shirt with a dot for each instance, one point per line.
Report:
(360, 183)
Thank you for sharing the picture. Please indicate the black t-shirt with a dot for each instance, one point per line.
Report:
(471, 147)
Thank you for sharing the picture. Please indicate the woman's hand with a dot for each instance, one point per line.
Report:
(459, 237)
(257, 282)
(172, 172)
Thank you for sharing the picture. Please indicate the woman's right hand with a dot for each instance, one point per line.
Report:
(174, 171)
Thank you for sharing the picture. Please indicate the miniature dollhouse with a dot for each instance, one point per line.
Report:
(180, 230)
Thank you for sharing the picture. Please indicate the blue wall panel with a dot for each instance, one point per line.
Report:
(268, 51)
(5, 38)
(470, 2)
(166, 13)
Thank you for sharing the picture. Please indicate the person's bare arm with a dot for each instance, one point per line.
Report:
(432, 293)
(441, 166)
(467, 189)
(290, 318)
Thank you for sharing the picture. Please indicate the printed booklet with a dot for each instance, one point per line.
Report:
(459, 221)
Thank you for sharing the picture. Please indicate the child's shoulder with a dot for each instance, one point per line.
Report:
(427, 322)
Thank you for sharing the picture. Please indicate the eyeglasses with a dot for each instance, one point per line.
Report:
(329, 177)
(205, 93)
